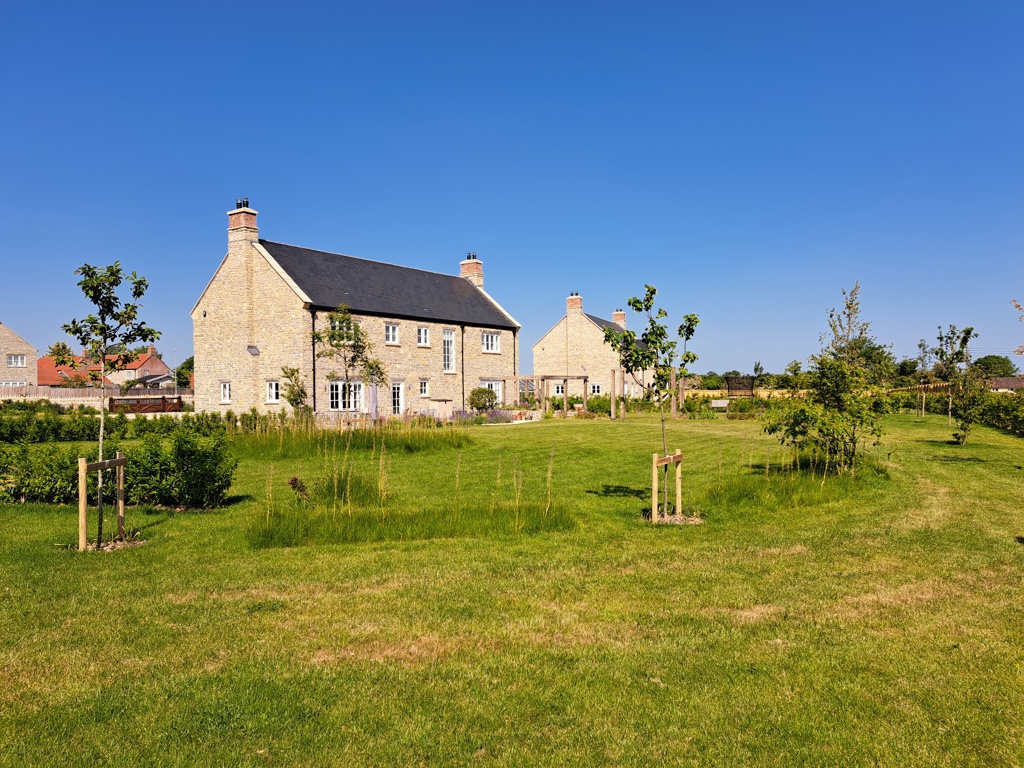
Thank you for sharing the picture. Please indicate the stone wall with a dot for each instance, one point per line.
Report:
(248, 324)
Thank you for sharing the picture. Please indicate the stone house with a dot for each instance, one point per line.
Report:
(438, 336)
(17, 360)
(575, 347)
(1006, 384)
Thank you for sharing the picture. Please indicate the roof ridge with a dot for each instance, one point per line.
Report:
(360, 258)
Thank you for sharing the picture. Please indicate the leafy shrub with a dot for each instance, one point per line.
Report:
(483, 399)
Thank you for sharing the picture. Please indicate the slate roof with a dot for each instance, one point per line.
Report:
(1007, 382)
(376, 288)
(602, 324)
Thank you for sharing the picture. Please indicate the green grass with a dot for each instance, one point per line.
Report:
(397, 484)
(867, 622)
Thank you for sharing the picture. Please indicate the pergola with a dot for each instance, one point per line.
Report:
(542, 388)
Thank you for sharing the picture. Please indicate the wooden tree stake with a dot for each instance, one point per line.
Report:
(83, 505)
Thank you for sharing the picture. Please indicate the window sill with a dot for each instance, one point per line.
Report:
(491, 352)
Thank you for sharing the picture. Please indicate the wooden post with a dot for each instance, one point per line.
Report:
(611, 395)
(120, 497)
(679, 481)
(672, 384)
(83, 505)
(585, 380)
(565, 398)
(654, 488)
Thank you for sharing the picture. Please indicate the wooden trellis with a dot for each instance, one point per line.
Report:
(656, 463)
(84, 469)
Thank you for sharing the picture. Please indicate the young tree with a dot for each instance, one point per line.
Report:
(966, 385)
(345, 343)
(294, 389)
(845, 398)
(115, 321)
(655, 354)
(686, 331)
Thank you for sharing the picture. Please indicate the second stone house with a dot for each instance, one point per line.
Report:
(17, 360)
(575, 347)
(438, 336)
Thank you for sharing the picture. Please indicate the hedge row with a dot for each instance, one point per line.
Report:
(187, 470)
(76, 426)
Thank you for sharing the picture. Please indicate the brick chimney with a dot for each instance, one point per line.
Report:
(574, 303)
(472, 269)
(242, 222)
(619, 318)
(151, 350)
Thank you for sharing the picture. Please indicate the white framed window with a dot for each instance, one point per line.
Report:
(491, 342)
(397, 398)
(448, 351)
(424, 388)
(225, 391)
(559, 389)
(16, 361)
(494, 386)
(595, 389)
(423, 336)
(12, 383)
(345, 396)
(273, 391)
(390, 333)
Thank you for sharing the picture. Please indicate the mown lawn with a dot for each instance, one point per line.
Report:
(869, 623)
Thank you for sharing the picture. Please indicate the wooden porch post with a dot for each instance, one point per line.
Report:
(585, 380)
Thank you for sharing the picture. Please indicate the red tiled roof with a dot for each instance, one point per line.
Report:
(51, 375)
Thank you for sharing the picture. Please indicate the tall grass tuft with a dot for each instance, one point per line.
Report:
(297, 439)
(377, 508)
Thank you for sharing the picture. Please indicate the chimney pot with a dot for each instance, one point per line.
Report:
(242, 222)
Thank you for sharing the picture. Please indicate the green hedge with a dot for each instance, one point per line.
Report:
(187, 470)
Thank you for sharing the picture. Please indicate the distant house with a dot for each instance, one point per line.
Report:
(16, 360)
(146, 365)
(1006, 383)
(438, 336)
(575, 347)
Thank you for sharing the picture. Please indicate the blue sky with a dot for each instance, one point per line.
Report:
(749, 159)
